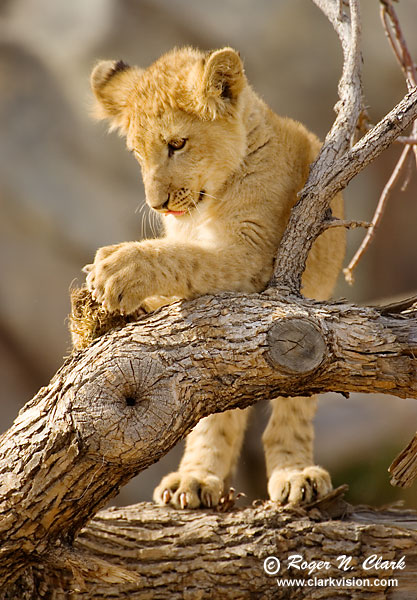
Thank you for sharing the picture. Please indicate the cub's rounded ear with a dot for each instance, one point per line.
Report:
(112, 83)
(104, 71)
(223, 80)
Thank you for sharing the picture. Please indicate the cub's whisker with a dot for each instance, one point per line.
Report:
(209, 195)
(155, 224)
(196, 205)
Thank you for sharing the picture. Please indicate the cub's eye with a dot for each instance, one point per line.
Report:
(176, 144)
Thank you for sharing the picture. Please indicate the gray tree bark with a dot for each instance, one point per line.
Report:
(156, 553)
(120, 405)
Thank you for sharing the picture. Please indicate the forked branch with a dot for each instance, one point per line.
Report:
(336, 164)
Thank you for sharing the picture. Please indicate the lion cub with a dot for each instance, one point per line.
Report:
(223, 171)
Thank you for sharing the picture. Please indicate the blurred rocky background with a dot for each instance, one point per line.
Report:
(66, 187)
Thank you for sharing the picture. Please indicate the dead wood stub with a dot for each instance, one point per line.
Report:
(296, 346)
(404, 467)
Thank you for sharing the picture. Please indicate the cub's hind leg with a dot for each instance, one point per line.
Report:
(288, 442)
(209, 460)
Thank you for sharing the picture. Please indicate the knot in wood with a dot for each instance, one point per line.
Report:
(121, 404)
(295, 346)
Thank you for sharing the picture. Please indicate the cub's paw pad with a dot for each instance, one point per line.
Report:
(297, 486)
(188, 491)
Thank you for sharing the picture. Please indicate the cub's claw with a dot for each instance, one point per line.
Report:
(166, 496)
(183, 500)
(87, 268)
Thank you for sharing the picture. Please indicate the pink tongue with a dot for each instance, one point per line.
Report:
(175, 212)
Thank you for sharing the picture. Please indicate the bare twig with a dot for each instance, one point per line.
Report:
(348, 271)
(345, 223)
(399, 46)
(403, 139)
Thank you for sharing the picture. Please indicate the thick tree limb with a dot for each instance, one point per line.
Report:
(155, 553)
(119, 406)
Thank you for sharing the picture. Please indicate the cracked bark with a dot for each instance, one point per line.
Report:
(117, 407)
(222, 555)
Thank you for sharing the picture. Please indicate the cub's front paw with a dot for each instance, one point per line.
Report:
(296, 486)
(114, 278)
(183, 490)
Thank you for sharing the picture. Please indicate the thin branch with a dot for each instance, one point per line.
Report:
(399, 46)
(396, 38)
(403, 139)
(345, 223)
(376, 219)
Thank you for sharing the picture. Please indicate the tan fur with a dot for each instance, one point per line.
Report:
(211, 149)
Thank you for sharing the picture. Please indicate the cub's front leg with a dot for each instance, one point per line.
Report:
(211, 453)
(122, 276)
(293, 477)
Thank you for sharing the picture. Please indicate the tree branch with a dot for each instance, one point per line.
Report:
(336, 165)
(308, 214)
(159, 553)
(119, 406)
(294, 249)
(349, 106)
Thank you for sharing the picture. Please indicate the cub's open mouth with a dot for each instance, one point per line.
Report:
(177, 213)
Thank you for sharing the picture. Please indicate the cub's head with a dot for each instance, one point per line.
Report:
(182, 119)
